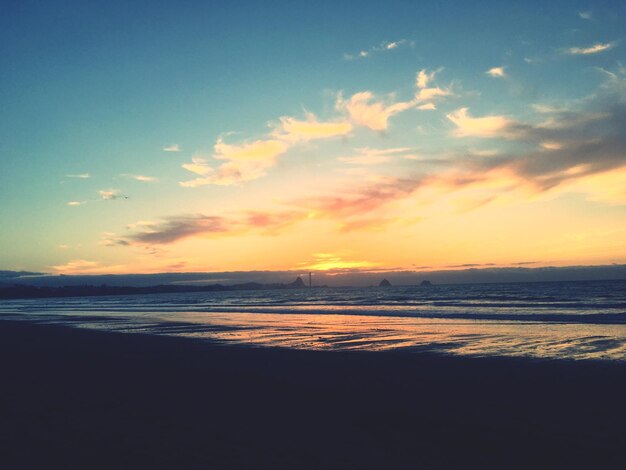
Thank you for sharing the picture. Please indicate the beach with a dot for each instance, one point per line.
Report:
(77, 398)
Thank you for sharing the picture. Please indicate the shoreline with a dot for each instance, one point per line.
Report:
(73, 397)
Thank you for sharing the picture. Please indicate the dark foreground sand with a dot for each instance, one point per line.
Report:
(85, 399)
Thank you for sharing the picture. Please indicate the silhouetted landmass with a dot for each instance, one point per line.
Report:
(425, 283)
(514, 274)
(27, 292)
(7, 274)
(384, 283)
(297, 284)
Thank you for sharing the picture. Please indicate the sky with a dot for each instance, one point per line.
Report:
(144, 137)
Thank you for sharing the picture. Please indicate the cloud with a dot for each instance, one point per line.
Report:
(347, 208)
(496, 72)
(81, 266)
(369, 156)
(575, 150)
(551, 145)
(580, 150)
(243, 162)
(74, 203)
(365, 159)
(426, 93)
(177, 228)
(360, 200)
(486, 126)
(293, 130)
(427, 107)
(82, 176)
(111, 239)
(248, 161)
(382, 47)
(78, 266)
(546, 108)
(142, 178)
(585, 15)
(109, 194)
(269, 223)
(424, 77)
(141, 224)
(172, 148)
(594, 49)
(174, 229)
(367, 110)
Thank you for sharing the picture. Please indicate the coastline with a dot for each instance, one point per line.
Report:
(73, 397)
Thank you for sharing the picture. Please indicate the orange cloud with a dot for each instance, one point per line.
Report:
(293, 130)
(243, 162)
(81, 266)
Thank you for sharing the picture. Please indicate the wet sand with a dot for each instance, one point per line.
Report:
(73, 398)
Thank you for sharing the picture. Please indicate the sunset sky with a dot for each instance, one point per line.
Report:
(140, 137)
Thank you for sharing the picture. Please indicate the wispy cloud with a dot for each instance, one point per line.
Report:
(109, 194)
(580, 149)
(81, 176)
(496, 72)
(75, 203)
(424, 77)
(360, 200)
(243, 162)
(427, 107)
(367, 110)
(78, 266)
(172, 148)
(82, 266)
(370, 156)
(428, 93)
(468, 126)
(593, 49)
(585, 15)
(382, 47)
(293, 130)
(111, 239)
(176, 228)
(251, 160)
(142, 178)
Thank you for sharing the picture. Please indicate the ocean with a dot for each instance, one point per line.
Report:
(548, 320)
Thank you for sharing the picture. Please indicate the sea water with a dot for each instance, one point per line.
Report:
(555, 320)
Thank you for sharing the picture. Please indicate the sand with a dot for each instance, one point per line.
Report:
(73, 398)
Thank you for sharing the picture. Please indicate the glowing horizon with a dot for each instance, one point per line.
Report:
(204, 145)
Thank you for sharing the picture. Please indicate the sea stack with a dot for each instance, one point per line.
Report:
(425, 283)
(384, 283)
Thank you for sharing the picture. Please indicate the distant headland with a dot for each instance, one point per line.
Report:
(27, 291)
(23, 284)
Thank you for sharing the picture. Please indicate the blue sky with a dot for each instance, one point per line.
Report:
(101, 88)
